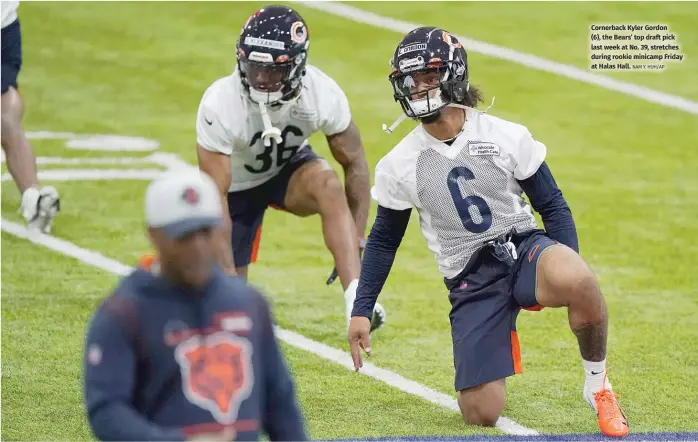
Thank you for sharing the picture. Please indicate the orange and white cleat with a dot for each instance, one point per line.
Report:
(612, 421)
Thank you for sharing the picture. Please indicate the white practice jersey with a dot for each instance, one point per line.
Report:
(466, 193)
(8, 9)
(230, 123)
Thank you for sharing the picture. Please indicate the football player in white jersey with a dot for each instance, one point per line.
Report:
(252, 134)
(465, 172)
(39, 205)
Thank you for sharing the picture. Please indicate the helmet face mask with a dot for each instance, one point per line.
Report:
(421, 93)
(268, 82)
(271, 54)
(429, 72)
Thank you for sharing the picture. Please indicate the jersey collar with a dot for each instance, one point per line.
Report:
(458, 144)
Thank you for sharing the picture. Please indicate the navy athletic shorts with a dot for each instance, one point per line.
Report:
(247, 207)
(11, 55)
(485, 301)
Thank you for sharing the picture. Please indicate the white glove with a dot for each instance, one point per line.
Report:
(39, 207)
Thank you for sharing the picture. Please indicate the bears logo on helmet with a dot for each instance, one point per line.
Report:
(299, 33)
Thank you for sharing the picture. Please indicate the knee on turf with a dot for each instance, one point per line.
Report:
(482, 407)
(482, 414)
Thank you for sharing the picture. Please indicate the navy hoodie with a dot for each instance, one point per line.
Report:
(164, 363)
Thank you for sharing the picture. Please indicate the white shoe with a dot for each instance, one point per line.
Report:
(589, 392)
(39, 207)
(378, 319)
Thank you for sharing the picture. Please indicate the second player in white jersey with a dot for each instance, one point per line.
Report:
(466, 172)
(467, 192)
(230, 123)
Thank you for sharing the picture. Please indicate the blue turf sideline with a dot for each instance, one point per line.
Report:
(547, 438)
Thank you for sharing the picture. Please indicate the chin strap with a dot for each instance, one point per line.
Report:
(397, 122)
(488, 107)
(402, 117)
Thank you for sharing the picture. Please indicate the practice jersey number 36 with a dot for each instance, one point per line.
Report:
(283, 152)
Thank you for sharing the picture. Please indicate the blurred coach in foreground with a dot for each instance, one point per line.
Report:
(184, 351)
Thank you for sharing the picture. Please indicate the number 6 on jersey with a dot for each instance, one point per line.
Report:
(465, 203)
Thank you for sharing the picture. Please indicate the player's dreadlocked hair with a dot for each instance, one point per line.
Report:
(473, 97)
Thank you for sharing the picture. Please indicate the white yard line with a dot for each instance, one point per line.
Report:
(93, 174)
(150, 159)
(529, 60)
(169, 160)
(340, 357)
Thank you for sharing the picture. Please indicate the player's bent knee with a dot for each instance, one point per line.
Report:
(9, 129)
(11, 119)
(328, 190)
(563, 278)
(313, 189)
(8, 119)
(12, 106)
(585, 286)
(484, 413)
(482, 405)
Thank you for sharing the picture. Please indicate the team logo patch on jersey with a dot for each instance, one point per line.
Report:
(217, 373)
(479, 149)
(304, 114)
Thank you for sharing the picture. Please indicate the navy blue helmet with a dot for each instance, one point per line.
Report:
(429, 72)
(272, 52)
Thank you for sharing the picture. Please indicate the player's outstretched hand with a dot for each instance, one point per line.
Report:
(227, 434)
(359, 338)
